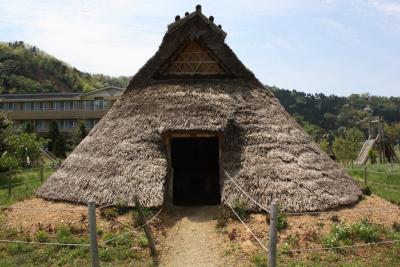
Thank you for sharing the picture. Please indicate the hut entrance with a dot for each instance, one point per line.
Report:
(195, 164)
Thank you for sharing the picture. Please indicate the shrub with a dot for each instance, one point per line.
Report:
(260, 260)
(366, 231)
(341, 230)
(143, 242)
(282, 222)
(41, 236)
(240, 207)
(18, 248)
(330, 241)
(64, 234)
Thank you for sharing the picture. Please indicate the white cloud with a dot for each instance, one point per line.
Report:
(387, 7)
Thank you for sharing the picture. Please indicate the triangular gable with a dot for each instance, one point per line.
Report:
(193, 60)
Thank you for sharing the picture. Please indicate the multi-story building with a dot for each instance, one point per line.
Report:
(67, 109)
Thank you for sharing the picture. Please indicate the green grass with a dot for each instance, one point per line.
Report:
(119, 252)
(382, 179)
(30, 179)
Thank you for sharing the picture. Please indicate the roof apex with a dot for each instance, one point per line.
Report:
(189, 16)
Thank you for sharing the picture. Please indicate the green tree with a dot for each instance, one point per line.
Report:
(346, 147)
(79, 133)
(52, 135)
(28, 127)
(59, 147)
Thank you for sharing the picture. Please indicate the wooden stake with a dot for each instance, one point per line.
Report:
(146, 228)
(94, 250)
(272, 235)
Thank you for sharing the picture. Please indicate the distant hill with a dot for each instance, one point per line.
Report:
(27, 69)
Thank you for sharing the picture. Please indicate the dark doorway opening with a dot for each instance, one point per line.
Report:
(195, 162)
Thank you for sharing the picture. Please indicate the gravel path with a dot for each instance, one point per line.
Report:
(192, 239)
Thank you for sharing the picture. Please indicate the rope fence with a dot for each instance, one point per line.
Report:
(248, 228)
(245, 193)
(93, 245)
(344, 247)
(45, 243)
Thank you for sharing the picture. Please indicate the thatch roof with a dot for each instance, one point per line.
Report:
(269, 154)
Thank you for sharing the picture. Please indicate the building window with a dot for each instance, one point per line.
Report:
(7, 106)
(98, 104)
(88, 105)
(58, 105)
(38, 106)
(66, 124)
(27, 106)
(68, 105)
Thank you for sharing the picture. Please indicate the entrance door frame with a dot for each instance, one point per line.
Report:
(167, 138)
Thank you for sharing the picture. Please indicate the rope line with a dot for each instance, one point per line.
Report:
(5, 186)
(387, 185)
(133, 229)
(44, 243)
(340, 247)
(19, 208)
(345, 211)
(244, 192)
(248, 228)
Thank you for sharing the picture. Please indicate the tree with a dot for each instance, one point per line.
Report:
(52, 135)
(79, 133)
(28, 127)
(347, 146)
(17, 149)
(59, 147)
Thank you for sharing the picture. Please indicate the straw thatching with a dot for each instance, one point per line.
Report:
(266, 151)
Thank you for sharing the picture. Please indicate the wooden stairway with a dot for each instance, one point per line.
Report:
(363, 155)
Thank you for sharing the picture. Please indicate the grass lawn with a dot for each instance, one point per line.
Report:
(383, 180)
(24, 184)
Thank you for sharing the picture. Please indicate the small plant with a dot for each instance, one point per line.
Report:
(285, 248)
(366, 231)
(341, 230)
(260, 260)
(64, 234)
(42, 236)
(330, 241)
(109, 213)
(282, 222)
(17, 248)
(105, 255)
(143, 242)
(240, 207)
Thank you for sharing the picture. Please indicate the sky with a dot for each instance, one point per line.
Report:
(315, 46)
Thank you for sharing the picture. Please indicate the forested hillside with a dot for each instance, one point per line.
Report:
(26, 69)
(320, 114)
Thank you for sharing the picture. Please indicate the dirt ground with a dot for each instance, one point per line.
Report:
(189, 237)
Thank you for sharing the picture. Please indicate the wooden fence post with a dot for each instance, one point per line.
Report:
(272, 234)
(94, 250)
(146, 228)
(365, 176)
(41, 173)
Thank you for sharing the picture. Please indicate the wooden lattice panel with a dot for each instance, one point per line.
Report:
(194, 59)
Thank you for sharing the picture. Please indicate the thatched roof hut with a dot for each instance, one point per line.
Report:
(190, 113)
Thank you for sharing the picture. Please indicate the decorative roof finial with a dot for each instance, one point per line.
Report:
(220, 26)
(198, 8)
(211, 18)
(186, 14)
(177, 17)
